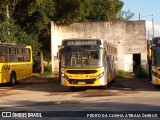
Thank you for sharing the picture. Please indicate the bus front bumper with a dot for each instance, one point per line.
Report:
(84, 82)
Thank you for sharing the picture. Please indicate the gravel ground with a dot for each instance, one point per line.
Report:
(41, 90)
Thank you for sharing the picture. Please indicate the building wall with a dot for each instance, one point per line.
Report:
(129, 37)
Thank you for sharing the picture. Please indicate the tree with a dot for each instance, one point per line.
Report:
(10, 32)
(34, 17)
(125, 15)
(67, 11)
(28, 21)
(70, 11)
(104, 10)
(34, 14)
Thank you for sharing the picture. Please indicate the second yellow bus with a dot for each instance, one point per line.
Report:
(15, 62)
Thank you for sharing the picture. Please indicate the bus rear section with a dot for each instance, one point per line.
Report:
(15, 63)
(82, 63)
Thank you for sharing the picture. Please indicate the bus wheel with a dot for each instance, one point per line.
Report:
(12, 79)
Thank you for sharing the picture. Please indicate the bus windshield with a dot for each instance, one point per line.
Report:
(81, 57)
(156, 56)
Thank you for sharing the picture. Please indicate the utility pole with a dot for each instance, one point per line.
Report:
(52, 45)
(7, 12)
(153, 25)
(8, 17)
(139, 16)
(148, 35)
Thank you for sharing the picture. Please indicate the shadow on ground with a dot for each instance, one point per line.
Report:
(129, 85)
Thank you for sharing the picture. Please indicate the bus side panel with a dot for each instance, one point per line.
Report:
(18, 69)
(4, 74)
(22, 70)
(4, 77)
(28, 70)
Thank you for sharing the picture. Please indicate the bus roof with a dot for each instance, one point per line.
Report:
(81, 38)
(12, 45)
(82, 41)
(95, 41)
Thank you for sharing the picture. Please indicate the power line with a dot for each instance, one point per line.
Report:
(144, 16)
(152, 21)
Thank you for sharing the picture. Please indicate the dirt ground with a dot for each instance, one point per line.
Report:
(47, 89)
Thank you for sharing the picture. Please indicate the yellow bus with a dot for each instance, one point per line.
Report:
(154, 55)
(15, 62)
(87, 62)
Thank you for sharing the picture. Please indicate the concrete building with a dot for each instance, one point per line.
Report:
(128, 36)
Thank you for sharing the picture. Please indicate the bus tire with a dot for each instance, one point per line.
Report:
(12, 79)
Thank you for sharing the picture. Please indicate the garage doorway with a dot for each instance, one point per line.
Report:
(136, 61)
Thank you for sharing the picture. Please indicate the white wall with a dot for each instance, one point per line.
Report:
(129, 37)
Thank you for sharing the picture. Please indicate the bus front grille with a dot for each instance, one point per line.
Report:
(81, 71)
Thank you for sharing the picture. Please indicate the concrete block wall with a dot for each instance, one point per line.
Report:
(128, 36)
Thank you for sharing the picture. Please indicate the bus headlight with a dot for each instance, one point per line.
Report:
(99, 76)
(64, 76)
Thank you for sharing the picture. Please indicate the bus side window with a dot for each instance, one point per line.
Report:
(26, 54)
(20, 59)
(20, 55)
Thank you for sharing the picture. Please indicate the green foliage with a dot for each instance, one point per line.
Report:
(70, 11)
(34, 17)
(28, 21)
(10, 32)
(47, 70)
(122, 74)
(104, 10)
(125, 15)
(141, 72)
